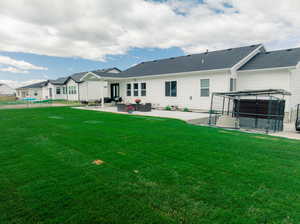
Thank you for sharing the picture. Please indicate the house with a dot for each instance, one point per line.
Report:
(6, 90)
(189, 81)
(31, 91)
(83, 86)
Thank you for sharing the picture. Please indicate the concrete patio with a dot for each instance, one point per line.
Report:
(185, 116)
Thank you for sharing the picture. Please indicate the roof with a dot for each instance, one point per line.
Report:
(222, 59)
(35, 85)
(59, 81)
(261, 92)
(273, 59)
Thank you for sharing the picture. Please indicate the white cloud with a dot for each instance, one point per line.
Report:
(16, 66)
(93, 29)
(16, 84)
(13, 70)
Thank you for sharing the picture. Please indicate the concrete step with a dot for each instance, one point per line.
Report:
(226, 121)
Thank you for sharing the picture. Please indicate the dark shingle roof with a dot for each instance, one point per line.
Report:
(59, 81)
(35, 85)
(77, 76)
(274, 59)
(221, 59)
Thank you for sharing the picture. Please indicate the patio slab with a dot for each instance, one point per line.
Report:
(289, 132)
(185, 116)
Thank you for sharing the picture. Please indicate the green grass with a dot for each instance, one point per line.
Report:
(155, 170)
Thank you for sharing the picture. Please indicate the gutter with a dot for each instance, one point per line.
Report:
(267, 69)
(165, 75)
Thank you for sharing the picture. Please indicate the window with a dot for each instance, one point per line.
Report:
(35, 93)
(58, 90)
(171, 88)
(64, 90)
(143, 89)
(136, 89)
(72, 90)
(232, 84)
(204, 87)
(129, 89)
(75, 90)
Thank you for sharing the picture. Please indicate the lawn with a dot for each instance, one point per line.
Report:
(154, 170)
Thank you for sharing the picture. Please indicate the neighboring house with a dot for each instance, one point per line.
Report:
(6, 90)
(32, 91)
(83, 86)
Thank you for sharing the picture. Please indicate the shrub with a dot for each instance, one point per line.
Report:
(168, 108)
(186, 109)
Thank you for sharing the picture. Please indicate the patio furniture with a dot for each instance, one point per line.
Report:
(145, 107)
(121, 107)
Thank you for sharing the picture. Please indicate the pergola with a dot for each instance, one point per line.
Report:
(258, 106)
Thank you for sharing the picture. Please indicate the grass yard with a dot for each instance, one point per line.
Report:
(150, 170)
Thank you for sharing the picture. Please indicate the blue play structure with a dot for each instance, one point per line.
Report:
(29, 99)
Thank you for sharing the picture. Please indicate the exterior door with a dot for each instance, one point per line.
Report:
(114, 90)
(50, 92)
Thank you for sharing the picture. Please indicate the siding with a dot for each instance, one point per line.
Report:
(272, 79)
(93, 90)
(188, 90)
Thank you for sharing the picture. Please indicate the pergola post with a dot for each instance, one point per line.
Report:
(102, 97)
(211, 108)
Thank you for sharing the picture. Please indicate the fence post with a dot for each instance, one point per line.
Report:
(269, 112)
(211, 107)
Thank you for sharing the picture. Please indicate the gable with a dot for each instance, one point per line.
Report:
(90, 77)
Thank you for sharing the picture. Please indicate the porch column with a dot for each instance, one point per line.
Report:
(102, 95)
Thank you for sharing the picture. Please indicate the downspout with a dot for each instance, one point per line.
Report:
(102, 95)
(78, 92)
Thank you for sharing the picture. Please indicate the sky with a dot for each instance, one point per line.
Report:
(47, 39)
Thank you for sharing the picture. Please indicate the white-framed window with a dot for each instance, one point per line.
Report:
(171, 88)
(75, 90)
(143, 89)
(64, 90)
(58, 91)
(232, 84)
(72, 90)
(128, 89)
(135, 89)
(204, 87)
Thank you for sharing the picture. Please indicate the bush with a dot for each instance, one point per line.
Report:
(186, 109)
(168, 108)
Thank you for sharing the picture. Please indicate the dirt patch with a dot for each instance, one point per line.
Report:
(225, 132)
(266, 138)
(23, 106)
(122, 153)
(98, 162)
(56, 117)
(93, 122)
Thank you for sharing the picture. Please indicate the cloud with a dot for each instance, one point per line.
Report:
(16, 66)
(94, 29)
(16, 84)
(13, 70)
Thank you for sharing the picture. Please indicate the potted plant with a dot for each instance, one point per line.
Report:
(137, 101)
(168, 108)
(130, 109)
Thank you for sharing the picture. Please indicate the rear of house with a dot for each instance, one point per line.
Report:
(187, 81)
